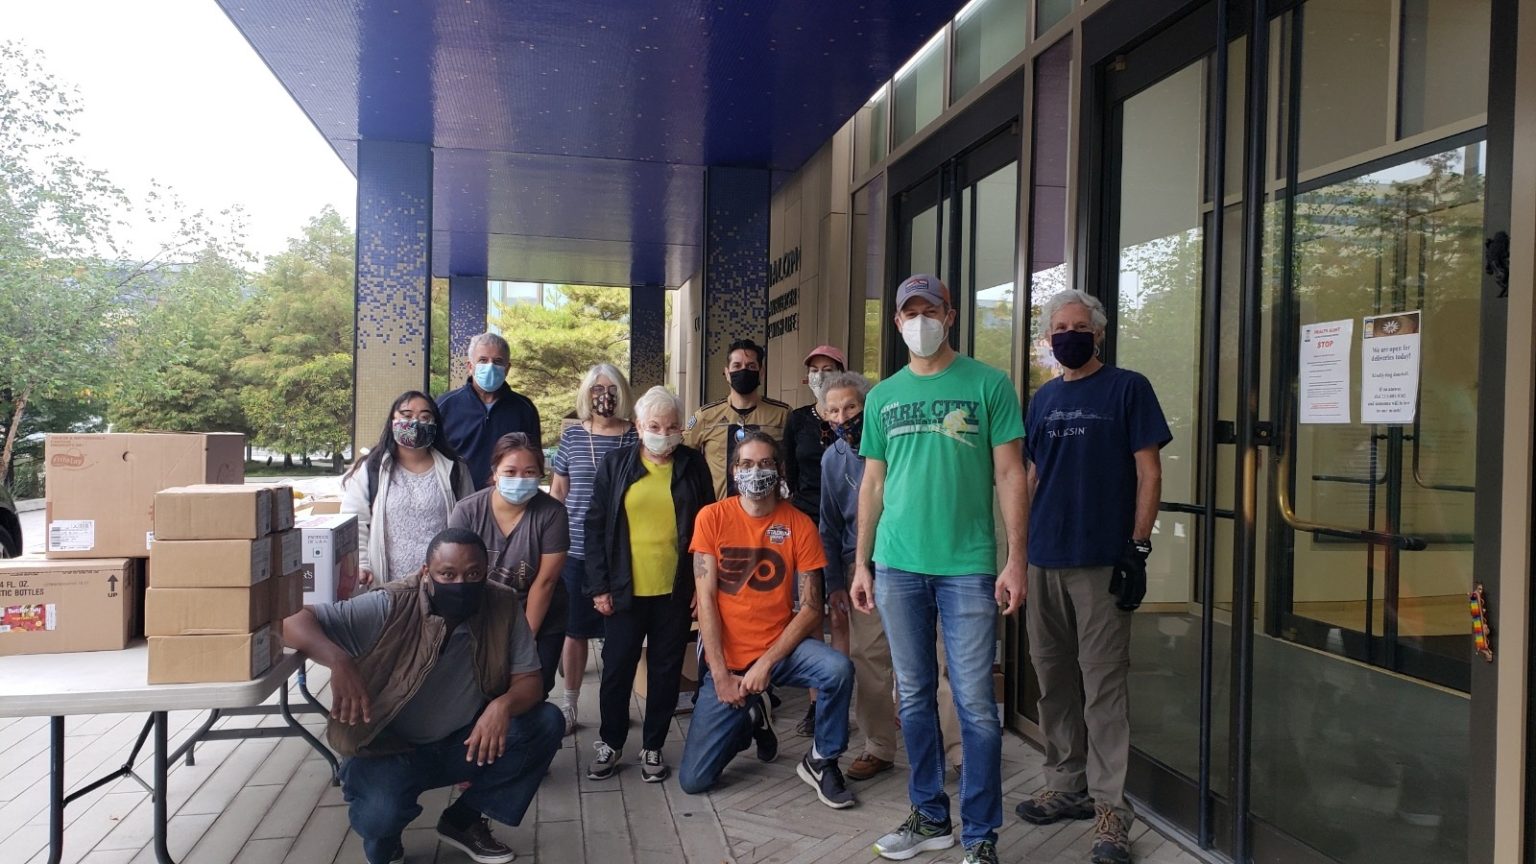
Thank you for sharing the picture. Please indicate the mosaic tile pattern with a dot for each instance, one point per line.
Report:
(647, 338)
(467, 310)
(735, 255)
(394, 266)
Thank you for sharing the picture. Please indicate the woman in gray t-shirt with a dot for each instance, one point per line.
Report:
(527, 534)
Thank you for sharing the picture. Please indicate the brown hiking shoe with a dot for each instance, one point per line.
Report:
(1051, 806)
(1110, 843)
(867, 766)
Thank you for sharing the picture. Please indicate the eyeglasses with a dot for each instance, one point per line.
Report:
(748, 464)
(611, 390)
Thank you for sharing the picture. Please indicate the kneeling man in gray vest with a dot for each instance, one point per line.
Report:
(434, 682)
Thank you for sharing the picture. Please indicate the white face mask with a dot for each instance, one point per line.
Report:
(660, 445)
(923, 335)
(814, 379)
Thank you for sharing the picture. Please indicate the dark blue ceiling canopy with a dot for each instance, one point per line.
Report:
(571, 136)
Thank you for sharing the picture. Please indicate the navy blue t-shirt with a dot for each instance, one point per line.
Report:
(1082, 438)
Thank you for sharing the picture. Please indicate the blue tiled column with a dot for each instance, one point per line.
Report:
(467, 310)
(735, 260)
(647, 338)
(394, 273)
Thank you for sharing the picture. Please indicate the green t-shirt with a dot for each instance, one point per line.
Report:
(935, 434)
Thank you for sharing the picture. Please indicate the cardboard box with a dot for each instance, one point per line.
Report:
(207, 611)
(690, 681)
(317, 507)
(52, 607)
(213, 512)
(330, 558)
(282, 505)
(287, 552)
(200, 659)
(211, 563)
(101, 488)
(287, 594)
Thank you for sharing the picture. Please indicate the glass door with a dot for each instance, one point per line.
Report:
(1354, 744)
(961, 224)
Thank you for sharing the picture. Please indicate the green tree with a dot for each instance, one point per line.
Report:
(55, 213)
(297, 397)
(555, 343)
(175, 355)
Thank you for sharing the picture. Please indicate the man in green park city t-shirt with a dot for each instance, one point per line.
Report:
(938, 435)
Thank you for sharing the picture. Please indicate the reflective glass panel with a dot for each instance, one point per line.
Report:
(920, 90)
(988, 33)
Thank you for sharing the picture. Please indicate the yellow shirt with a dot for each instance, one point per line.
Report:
(652, 531)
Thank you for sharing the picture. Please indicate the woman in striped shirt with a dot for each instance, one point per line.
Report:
(603, 411)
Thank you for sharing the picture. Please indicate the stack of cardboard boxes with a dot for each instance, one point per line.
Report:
(100, 525)
(226, 568)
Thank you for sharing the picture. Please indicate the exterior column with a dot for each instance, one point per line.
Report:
(735, 261)
(468, 308)
(394, 276)
(647, 338)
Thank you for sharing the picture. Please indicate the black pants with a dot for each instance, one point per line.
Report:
(549, 642)
(662, 625)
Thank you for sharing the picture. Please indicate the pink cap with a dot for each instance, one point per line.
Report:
(827, 351)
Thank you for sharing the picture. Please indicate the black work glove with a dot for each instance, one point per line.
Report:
(1128, 578)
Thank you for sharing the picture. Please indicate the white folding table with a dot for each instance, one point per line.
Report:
(114, 682)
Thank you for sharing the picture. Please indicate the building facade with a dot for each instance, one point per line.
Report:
(1230, 181)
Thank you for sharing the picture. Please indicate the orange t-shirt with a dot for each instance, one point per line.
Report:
(759, 560)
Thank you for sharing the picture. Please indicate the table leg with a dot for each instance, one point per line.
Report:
(314, 743)
(162, 805)
(56, 791)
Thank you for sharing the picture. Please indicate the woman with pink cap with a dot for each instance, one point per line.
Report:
(806, 437)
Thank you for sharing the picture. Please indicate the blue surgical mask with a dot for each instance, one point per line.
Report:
(489, 376)
(517, 490)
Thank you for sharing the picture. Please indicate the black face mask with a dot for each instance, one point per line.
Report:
(745, 381)
(457, 601)
(1073, 348)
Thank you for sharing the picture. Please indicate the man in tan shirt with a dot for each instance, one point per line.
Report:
(715, 429)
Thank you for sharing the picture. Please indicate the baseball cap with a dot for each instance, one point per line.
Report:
(827, 351)
(922, 285)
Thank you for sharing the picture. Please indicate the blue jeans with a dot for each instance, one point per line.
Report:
(381, 791)
(910, 605)
(718, 732)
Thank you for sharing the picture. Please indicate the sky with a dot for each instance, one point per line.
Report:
(173, 93)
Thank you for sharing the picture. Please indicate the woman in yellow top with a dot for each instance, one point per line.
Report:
(639, 575)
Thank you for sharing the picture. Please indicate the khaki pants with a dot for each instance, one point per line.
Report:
(873, 708)
(1074, 628)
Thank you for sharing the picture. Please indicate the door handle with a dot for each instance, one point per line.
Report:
(1287, 509)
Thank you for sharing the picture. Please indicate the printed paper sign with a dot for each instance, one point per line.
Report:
(1324, 371)
(28, 618)
(71, 535)
(1389, 368)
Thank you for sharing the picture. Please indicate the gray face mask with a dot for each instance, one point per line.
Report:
(756, 483)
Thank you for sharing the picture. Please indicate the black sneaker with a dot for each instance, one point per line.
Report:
(398, 857)
(477, 842)
(984, 852)
(1111, 845)
(915, 836)
(762, 729)
(652, 769)
(1051, 806)
(807, 725)
(605, 764)
(827, 779)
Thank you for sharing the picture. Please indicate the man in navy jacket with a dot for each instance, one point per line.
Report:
(485, 408)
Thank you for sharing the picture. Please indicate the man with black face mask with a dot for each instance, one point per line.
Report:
(435, 682)
(1094, 479)
(716, 428)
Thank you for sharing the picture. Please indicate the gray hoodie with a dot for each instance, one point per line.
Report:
(842, 470)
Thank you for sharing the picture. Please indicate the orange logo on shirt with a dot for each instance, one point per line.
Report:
(761, 569)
